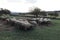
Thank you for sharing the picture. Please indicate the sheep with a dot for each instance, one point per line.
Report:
(20, 24)
(44, 21)
(3, 18)
(41, 20)
(12, 21)
(31, 19)
(23, 24)
(33, 22)
(7, 21)
(49, 21)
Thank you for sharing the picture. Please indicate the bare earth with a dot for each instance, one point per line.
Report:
(5, 27)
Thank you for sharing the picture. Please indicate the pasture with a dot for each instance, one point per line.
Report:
(46, 33)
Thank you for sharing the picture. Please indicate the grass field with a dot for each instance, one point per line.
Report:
(38, 33)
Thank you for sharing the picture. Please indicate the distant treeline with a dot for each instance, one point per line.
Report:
(36, 12)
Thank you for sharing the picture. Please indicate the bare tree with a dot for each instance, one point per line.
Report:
(36, 12)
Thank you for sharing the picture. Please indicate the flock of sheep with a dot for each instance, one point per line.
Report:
(25, 24)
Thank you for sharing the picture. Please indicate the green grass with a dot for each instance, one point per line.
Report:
(46, 33)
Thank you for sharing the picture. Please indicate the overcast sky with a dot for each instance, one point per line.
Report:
(26, 5)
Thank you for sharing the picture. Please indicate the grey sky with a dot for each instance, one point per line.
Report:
(26, 5)
(31, 1)
(28, 1)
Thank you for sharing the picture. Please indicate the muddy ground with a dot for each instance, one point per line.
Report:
(5, 27)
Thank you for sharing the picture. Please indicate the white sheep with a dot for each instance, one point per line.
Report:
(33, 22)
(12, 21)
(23, 24)
(41, 20)
(45, 19)
(49, 19)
